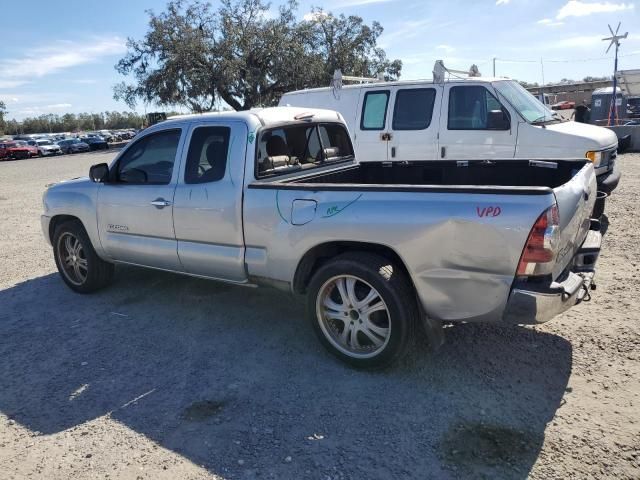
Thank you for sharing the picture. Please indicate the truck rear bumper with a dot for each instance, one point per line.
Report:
(533, 303)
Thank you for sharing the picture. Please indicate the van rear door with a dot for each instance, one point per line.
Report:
(414, 123)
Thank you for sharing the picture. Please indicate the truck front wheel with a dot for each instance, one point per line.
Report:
(363, 309)
(79, 265)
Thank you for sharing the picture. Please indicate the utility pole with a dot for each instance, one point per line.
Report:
(615, 40)
(494, 66)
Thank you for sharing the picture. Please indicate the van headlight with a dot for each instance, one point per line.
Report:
(595, 157)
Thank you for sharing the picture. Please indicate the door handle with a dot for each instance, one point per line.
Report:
(443, 152)
(160, 203)
(393, 152)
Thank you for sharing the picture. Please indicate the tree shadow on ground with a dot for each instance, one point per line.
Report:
(220, 373)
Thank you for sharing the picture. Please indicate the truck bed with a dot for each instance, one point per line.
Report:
(504, 173)
(460, 226)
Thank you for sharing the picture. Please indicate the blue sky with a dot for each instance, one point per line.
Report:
(59, 59)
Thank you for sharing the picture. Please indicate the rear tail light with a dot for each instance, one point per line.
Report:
(540, 250)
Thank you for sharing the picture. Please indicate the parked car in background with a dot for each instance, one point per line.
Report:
(106, 134)
(564, 105)
(95, 142)
(47, 147)
(73, 145)
(19, 149)
(3, 151)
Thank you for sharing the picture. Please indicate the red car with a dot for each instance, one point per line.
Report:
(18, 149)
(564, 105)
(3, 151)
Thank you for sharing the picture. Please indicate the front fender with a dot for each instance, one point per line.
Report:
(77, 198)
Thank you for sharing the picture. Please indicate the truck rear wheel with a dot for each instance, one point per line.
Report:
(79, 265)
(363, 309)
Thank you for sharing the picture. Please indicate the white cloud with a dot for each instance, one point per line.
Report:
(502, 2)
(308, 17)
(59, 106)
(586, 41)
(11, 83)
(446, 48)
(47, 60)
(356, 3)
(549, 22)
(577, 8)
(405, 30)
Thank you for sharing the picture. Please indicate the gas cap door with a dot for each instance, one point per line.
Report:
(303, 211)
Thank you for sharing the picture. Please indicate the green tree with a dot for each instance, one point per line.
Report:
(195, 56)
(3, 112)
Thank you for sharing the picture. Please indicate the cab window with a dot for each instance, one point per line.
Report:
(413, 108)
(150, 160)
(374, 110)
(470, 108)
(300, 147)
(207, 156)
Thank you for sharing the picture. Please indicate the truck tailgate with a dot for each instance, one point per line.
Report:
(575, 203)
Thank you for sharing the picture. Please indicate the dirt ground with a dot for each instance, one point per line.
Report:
(164, 377)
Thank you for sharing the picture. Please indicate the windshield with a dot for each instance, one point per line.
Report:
(44, 142)
(531, 109)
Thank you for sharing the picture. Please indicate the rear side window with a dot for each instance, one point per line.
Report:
(374, 110)
(300, 147)
(207, 157)
(469, 108)
(413, 108)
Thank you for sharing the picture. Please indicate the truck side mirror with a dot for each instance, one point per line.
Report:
(498, 120)
(99, 173)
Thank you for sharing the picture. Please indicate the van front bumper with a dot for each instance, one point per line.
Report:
(608, 182)
(532, 303)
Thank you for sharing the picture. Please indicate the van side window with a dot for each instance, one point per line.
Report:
(207, 157)
(469, 108)
(413, 108)
(374, 110)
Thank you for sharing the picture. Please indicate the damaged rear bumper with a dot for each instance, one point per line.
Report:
(533, 303)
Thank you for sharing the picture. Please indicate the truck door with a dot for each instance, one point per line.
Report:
(415, 123)
(135, 208)
(208, 201)
(474, 125)
(371, 135)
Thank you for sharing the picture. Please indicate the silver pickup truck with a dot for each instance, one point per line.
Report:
(275, 197)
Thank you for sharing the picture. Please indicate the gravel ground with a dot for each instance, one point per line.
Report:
(164, 377)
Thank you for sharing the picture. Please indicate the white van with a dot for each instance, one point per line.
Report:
(460, 119)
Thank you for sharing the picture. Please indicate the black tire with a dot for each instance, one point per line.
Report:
(99, 273)
(392, 286)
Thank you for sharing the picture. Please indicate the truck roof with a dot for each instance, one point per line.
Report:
(268, 116)
(383, 84)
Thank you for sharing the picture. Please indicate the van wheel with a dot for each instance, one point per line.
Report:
(362, 308)
(79, 265)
